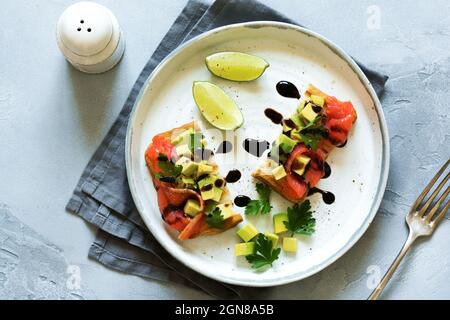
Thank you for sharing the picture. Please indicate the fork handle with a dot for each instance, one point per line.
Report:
(376, 293)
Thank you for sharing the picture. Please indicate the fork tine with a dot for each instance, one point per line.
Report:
(428, 187)
(433, 195)
(441, 214)
(437, 205)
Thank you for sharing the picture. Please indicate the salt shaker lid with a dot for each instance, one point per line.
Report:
(87, 33)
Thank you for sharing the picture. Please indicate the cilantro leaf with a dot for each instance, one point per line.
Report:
(168, 168)
(300, 220)
(264, 254)
(313, 132)
(262, 205)
(215, 219)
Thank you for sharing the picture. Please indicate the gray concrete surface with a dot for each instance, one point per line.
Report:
(52, 118)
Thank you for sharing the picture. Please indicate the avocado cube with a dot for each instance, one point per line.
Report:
(182, 137)
(286, 144)
(247, 233)
(207, 180)
(308, 113)
(244, 249)
(227, 210)
(217, 194)
(207, 194)
(272, 237)
(289, 244)
(192, 207)
(203, 169)
(317, 100)
(188, 181)
(300, 164)
(296, 119)
(279, 172)
(182, 161)
(301, 106)
(183, 150)
(278, 222)
(295, 134)
(189, 169)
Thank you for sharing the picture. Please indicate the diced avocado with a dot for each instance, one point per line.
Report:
(286, 144)
(204, 142)
(272, 237)
(295, 134)
(227, 210)
(247, 233)
(301, 106)
(189, 169)
(244, 249)
(207, 194)
(192, 207)
(296, 119)
(318, 100)
(286, 128)
(278, 222)
(308, 113)
(183, 150)
(188, 181)
(182, 137)
(279, 172)
(203, 169)
(289, 244)
(182, 161)
(217, 194)
(207, 180)
(300, 164)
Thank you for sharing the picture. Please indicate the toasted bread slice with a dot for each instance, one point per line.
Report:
(171, 198)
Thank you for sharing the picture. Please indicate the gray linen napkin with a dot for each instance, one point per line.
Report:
(102, 195)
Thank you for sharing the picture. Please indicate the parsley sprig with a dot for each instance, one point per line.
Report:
(264, 254)
(300, 220)
(215, 219)
(313, 132)
(169, 170)
(262, 205)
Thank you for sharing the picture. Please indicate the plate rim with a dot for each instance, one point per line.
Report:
(384, 163)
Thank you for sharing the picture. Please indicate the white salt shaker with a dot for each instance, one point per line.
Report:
(90, 37)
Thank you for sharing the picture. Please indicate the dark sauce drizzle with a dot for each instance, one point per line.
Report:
(241, 201)
(256, 147)
(287, 89)
(326, 170)
(233, 176)
(225, 147)
(273, 115)
(327, 196)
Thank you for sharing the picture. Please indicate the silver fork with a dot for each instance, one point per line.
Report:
(421, 222)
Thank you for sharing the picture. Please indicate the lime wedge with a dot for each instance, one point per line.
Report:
(236, 66)
(216, 106)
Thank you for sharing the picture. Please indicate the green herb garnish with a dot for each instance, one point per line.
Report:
(215, 219)
(262, 205)
(264, 254)
(313, 132)
(300, 220)
(168, 168)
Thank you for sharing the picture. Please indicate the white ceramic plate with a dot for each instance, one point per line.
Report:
(359, 171)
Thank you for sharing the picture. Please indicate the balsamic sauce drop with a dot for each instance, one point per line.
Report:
(233, 176)
(273, 115)
(225, 147)
(287, 89)
(326, 170)
(327, 196)
(206, 187)
(342, 145)
(256, 147)
(241, 201)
